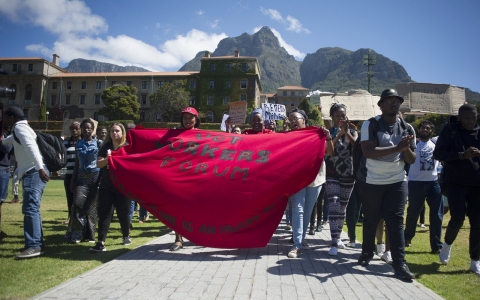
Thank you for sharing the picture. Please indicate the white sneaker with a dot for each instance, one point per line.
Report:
(422, 226)
(445, 253)
(305, 245)
(475, 267)
(340, 244)
(333, 251)
(387, 257)
(172, 233)
(294, 252)
(352, 245)
(380, 249)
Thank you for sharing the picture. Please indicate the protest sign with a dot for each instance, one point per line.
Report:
(272, 111)
(238, 112)
(361, 105)
(216, 188)
(223, 126)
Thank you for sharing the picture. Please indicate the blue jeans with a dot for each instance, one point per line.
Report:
(387, 201)
(132, 209)
(4, 178)
(143, 213)
(417, 192)
(32, 197)
(302, 205)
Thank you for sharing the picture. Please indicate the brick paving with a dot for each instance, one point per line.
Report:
(151, 271)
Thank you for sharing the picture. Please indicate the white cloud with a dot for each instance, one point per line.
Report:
(214, 24)
(78, 29)
(200, 12)
(292, 23)
(289, 48)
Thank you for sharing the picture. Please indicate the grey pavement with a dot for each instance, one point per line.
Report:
(151, 271)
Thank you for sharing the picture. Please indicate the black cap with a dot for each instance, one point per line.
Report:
(15, 112)
(389, 93)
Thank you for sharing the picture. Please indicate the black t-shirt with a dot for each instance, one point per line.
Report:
(103, 152)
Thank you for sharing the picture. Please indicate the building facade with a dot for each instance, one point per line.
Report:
(291, 96)
(78, 95)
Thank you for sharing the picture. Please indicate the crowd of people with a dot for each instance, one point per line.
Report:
(371, 172)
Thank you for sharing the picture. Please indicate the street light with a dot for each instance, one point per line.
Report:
(369, 60)
(46, 123)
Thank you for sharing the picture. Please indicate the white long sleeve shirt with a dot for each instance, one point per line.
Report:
(27, 153)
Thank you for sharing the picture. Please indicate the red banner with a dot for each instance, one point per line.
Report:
(217, 189)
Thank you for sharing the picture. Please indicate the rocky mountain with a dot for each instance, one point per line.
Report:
(81, 65)
(277, 67)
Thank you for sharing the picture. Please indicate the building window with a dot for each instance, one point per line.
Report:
(292, 94)
(300, 93)
(292, 103)
(15, 67)
(98, 85)
(144, 99)
(82, 99)
(69, 85)
(212, 67)
(28, 92)
(244, 67)
(30, 67)
(209, 116)
(25, 113)
(210, 100)
(226, 100)
(228, 84)
(243, 97)
(54, 85)
(243, 84)
(113, 82)
(129, 83)
(67, 99)
(193, 84)
(53, 101)
(142, 116)
(285, 93)
(160, 83)
(211, 84)
(144, 85)
(95, 116)
(192, 100)
(97, 99)
(11, 99)
(284, 102)
(228, 67)
(84, 85)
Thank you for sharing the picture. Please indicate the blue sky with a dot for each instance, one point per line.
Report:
(436, 41)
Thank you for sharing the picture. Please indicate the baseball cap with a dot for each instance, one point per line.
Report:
(15, 112)
(389, 93)
(190, 110)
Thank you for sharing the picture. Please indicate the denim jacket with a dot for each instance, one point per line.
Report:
(87, 153)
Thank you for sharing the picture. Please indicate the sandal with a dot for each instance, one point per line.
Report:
(177, 246)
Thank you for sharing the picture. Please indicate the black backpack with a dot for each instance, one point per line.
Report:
(52, 149)
(357, 154)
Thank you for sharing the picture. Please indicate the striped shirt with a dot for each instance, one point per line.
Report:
(71, 155)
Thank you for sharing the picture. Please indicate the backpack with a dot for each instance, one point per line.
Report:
(357, 154)
(52, 149)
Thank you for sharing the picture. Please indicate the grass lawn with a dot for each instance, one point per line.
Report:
(21, 279)
(451, 281)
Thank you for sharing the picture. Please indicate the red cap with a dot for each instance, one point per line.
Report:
(190, 110)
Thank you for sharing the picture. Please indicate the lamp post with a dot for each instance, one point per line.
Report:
(46, 123)
(369, 60)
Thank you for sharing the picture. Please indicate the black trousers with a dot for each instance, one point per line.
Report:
(387, 202)
(108, 200)
(317, 209)
(68, 192)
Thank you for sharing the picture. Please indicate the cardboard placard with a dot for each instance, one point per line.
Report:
(272, 111)
(238, 112)
(360, 107)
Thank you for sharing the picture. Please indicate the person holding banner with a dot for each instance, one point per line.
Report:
(340, 180)
(188, 120)
(109, 197)
(257, 123)
(303, 201)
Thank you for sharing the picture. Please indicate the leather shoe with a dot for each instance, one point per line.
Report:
(176, 247)
(311, 232)
(403, 272)
(364, 259)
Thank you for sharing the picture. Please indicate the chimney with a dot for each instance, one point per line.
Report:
(56, 60)
(237, 53)
(207, 54)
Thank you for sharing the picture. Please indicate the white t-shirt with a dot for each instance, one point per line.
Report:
(320, 179)
(425, 167)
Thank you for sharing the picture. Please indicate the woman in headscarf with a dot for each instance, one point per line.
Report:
(258, 125)
(303, 201)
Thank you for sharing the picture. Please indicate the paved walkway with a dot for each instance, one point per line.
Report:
(152, 272)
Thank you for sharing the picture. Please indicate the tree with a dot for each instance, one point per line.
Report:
(169, 99)
(313, 114)
(121, 103)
